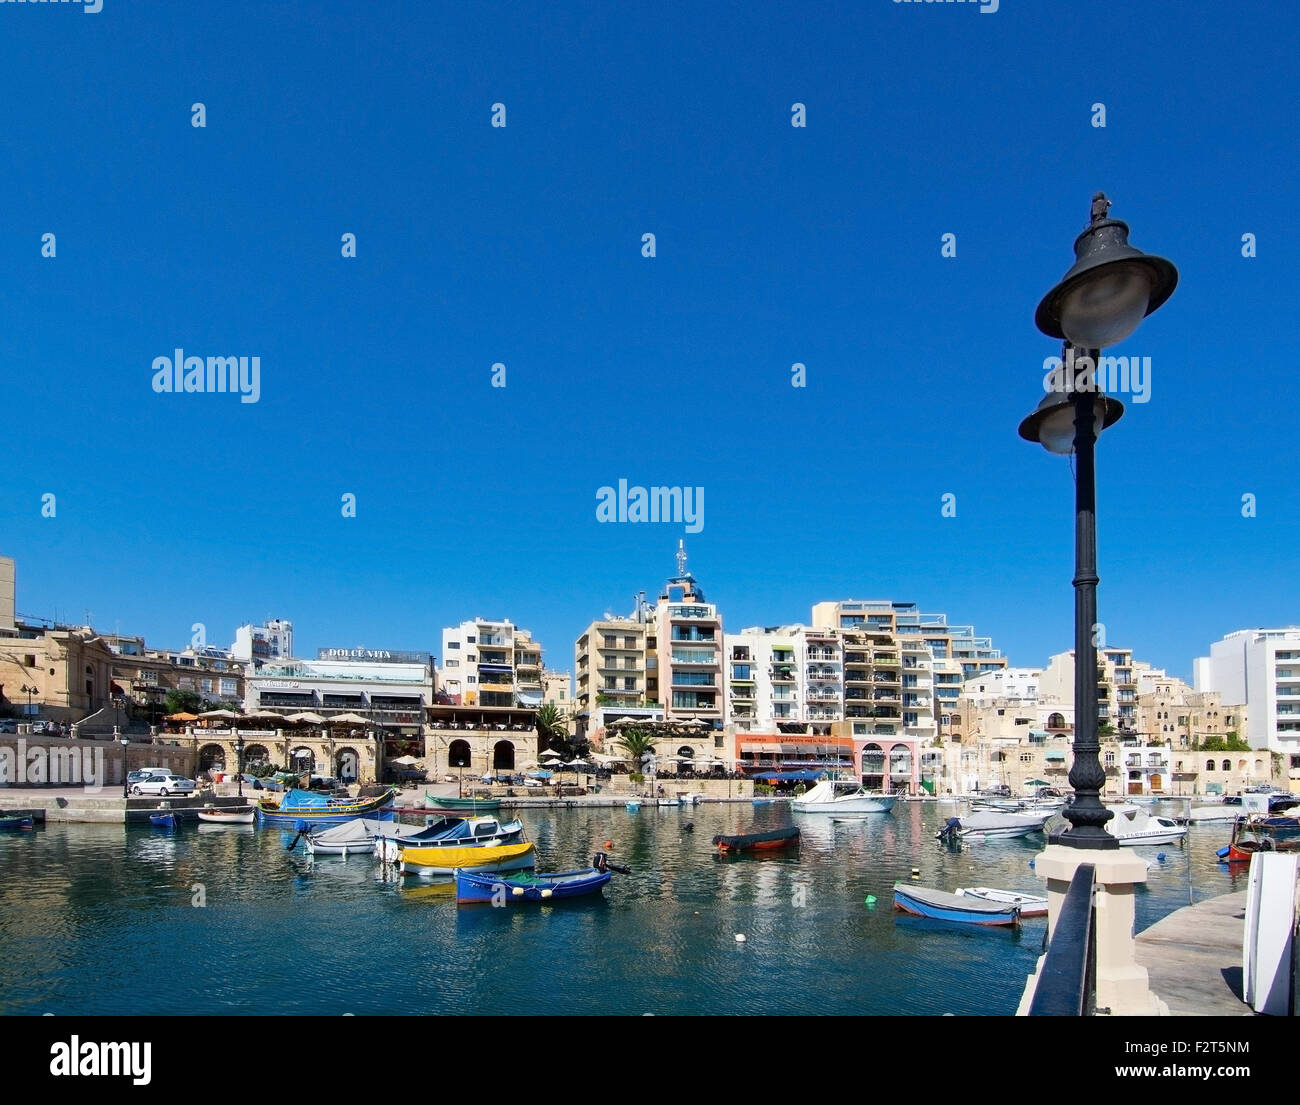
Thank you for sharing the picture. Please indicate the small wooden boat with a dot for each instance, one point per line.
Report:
(451, 832)
(163, 821)
(848, 818)
(16, 823)
(524, 886)
(299, 807)
(445, 861)
(758, 842)
(1031, 905)
(939, 905)
(476, 805)
(232, 815)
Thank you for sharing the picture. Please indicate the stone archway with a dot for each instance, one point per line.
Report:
(212, 755)
(873, 766)
(347, 765)
(503, 756)
(458, 754)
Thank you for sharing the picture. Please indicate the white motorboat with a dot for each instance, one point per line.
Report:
(1031, 905)
(1133, 825)
(229, 815)
(843, 796)
(992, 823)
(1199, 814)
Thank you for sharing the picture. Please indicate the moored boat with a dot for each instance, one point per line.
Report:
(163, 821)
(444, 861)
(524, 886)
(994, 824)
(452, 832)
(1031, 905)
(842, 796)
(474, 805)
(299, 807)
(232, 815)
(758, 842)
(16, 822)
(1132, 826)
(939, 905)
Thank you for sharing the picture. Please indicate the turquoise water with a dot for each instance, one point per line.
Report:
(101, 920)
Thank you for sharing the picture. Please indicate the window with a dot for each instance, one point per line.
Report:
(228, 687)
(562, 693)
(1026, 757)
(1227, 765)
(29, 660)
(611, 642)
(629, 683)
(453, 663)
(471, 679)
(471, 659)
(1209, 765)
(629, 642)
(469, 640)
(205, 685)
(453, 644)
(1110, 759)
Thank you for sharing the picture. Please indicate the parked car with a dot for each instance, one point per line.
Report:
(164, 784)
(143, 773)
(8, 725)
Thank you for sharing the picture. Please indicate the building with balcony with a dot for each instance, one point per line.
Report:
(616, 665)
(269, 643)
(784, 674)
(487, 663)
(688, 652)
(1259, 669)
(144, 676)
(391, 696)
(1117, 688)
(1011, 684)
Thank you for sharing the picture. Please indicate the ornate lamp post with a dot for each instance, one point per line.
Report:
(124, 741)
(1099, 302)
(239, 763)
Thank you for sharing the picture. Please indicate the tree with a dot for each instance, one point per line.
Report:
(553, 728)
(182, 702)
(636, 743)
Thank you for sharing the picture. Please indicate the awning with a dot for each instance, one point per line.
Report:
(529, 699)
(1054, 754)
(1039, 733)
(788, 776)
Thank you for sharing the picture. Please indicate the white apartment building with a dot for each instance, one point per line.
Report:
(1260, 670)
(1005, 683)
(779, 674)
(390, 695)
(491, 663)
(272, 642)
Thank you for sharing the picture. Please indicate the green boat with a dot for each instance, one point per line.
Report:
(474, 804)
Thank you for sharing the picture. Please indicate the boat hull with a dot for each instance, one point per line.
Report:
(445, 861)
(1031, 905)
(223, 817)
(166, 821)
(380, 808)
(880, 804)
(758, 842)
(941, 906)
(17, 824)
(485, 805)
(496, 888)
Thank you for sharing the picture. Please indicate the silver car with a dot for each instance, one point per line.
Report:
(164, 784)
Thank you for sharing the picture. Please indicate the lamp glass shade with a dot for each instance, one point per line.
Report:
(1107, 307)
(1056, 430)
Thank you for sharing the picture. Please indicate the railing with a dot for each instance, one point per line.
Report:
(1067, 982)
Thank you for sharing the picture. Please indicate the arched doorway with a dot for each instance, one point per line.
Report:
(458, 753)
(503, 756)
(873, 766)
(210, 756)
(348, 767)
(1056, 721)
(302, 760)
(685, 759)
(900, 765)
(255, 755)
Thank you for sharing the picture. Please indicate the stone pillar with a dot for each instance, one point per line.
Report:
(1122, 985)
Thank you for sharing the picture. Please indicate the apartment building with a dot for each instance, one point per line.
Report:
(1117, 687)
(491, 663)
(784, 674)
(1260, 670)
(689, 643)
(268, 643)
(616, 672)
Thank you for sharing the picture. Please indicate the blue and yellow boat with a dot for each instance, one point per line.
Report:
(300, 809)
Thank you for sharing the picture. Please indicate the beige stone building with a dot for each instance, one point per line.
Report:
(64, 675)
(616, 672)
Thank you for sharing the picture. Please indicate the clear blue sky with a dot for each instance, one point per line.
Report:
(522, 245)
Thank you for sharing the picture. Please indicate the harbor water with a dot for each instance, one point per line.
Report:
(219, 920)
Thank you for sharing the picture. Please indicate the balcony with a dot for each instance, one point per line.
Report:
(690, 613)
(693, 635)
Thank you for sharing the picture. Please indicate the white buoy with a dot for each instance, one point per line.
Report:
(547, 892)
(517, 891)
(740, 938)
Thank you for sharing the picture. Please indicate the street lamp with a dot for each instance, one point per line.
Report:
(29, 692)
(124, 740)
(1099, 302)
(239, 763)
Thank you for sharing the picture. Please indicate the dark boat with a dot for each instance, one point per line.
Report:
(758, 842)
(16, 822)
(163, 821)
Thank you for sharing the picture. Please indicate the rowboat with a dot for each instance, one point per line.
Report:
(478, 805)
(942, 906)
(163, 821)
(524, 886)
(843, 796)
(1031, 905)
(758, 842)
(299, 808)
(453, 832)
(991, 824)
(16, 823)
(361, 835)
(445, 861)
(632, 807)
(233, 816)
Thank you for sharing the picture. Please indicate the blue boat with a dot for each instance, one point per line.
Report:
(16, 823)
(301, 809)
(163, 821)
(939, 905)
(524, 886)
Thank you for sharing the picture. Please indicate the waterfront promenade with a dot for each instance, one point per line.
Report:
(1193, 958)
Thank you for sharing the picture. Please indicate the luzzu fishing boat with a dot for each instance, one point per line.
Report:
(474, 805)
(444, 861)
(524, 886)
(964, 909)
(299, 808)
(16, 822)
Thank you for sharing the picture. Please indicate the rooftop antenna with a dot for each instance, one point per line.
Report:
(681, 557)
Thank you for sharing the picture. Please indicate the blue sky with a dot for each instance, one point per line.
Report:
(522, 245)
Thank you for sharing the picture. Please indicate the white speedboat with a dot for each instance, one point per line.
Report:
(1132, 825)
(842, 796)
(1031, 905)
(991, 823)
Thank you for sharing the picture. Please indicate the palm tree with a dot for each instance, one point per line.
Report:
(636, 743)
(553, 728)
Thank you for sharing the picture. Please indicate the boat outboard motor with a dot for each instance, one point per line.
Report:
(601, 863)
(950, 830)
(303, 828)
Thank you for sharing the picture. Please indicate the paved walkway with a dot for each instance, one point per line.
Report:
(1193, 958)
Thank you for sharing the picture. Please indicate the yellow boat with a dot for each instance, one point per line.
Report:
(443, 861)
